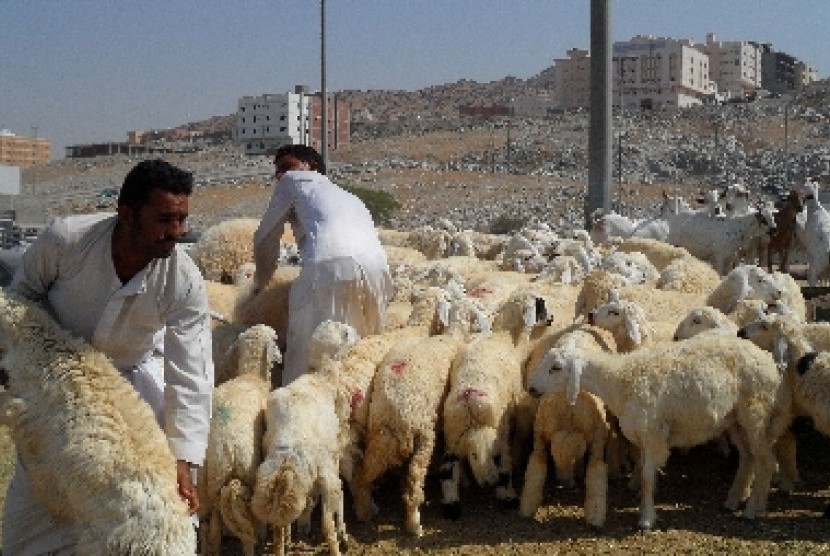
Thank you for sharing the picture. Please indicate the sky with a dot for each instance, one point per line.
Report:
(89, 71)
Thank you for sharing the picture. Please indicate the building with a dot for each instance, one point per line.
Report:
(647, 72)
(266, 122)
(735, 66)
(17, 150)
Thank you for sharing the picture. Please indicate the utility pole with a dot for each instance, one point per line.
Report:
(786, 146)
(600, 139)
(324, 100)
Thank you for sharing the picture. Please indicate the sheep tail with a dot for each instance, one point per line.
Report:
(235, 507)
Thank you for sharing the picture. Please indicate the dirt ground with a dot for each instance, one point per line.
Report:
(689, 498)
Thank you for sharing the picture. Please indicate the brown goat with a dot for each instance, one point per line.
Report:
(781, 239)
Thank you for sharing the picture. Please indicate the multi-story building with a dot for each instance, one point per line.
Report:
(266, 122)
(572, 79)
(17, 150)
(783, 72)
(654, 72)
(735, 66)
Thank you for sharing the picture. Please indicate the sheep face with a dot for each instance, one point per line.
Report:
(619, 317)
(560, 369)
(697, 321)
(481, 450)
(768, 334)
(755, 283)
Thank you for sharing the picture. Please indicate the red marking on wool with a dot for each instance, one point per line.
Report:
(398, 367)
(470, 393)
(481, 291)
(357, 400)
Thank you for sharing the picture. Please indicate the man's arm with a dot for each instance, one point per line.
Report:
(38, 267)
(188, 376)
(268, 234)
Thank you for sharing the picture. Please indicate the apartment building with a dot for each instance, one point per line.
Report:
(735, 66)
(17, 150)
(572, 79)
(266, 122)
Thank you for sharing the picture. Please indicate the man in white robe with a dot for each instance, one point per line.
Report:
(345, 274)
(121, 282)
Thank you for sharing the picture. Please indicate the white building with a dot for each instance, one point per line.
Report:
(267, 122)
(654, 72)
(735, 66)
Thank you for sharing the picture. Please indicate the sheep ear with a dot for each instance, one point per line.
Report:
(530, 314)
(780, 351)
(572, 388)
(742, 291)
(443, 312)
(614, 296)
(632, 328)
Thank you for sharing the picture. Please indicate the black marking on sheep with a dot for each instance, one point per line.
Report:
(805, 362)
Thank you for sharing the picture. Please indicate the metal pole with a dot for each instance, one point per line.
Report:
(324, 100)
(600, 138)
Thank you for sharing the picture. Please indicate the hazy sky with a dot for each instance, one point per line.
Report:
(87, 71)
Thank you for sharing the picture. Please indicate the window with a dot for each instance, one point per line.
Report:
(243, 120)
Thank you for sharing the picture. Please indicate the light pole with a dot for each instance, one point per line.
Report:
(324, 101)
(786, 147)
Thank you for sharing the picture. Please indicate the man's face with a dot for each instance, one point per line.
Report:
(288, 162)
(155, 227)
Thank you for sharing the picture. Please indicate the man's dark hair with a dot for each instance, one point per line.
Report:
(153, 174)
(303, 153)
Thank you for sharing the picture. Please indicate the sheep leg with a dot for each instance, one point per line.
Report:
(537, 469)
(366, 474)
(785, 452)
(596, 492)
(504, 488)
(739, 491)
(648, 476)
(327, 526)
(413, 496)
(212, 534)
(450, 475)
(763, 434)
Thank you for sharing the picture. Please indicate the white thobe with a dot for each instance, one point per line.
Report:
(70, 267)
(345, 274)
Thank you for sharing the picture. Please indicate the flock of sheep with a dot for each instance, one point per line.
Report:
(600, 351)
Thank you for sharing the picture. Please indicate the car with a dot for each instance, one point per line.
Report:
(108, 192)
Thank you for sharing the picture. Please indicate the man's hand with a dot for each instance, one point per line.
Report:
(187, 490)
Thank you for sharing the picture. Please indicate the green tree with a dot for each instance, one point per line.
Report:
(380, 203)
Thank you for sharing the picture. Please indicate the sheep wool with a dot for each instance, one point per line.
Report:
(407, 396)
(682, 394)
(94, 454)
(223, 247)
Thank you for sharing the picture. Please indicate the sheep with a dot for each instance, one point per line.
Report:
(235, 442)
(792, 299)
(223, 247)
(407, 396)
(302, 457)
(626, 321)
(93, 451)
(633, 265)
(743, 282)
(269, 305)
(704, 319)
(569, 432)
(688, 274)
(659, 253)
(480, 409)
(663, 400)
(816, 234)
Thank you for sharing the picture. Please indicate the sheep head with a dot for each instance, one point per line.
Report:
(701, 320)
(560, 369)
(481, 450)
(332, 340)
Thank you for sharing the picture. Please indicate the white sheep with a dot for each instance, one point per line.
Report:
(93, 452)
(633, 265)
(302, 457)
(626, 321)
(234, 445)
(570, 432)
(223, 247)
(684, 394)
(704, 319)
(407, 397)
(743, 282)
(688, 274)
(481, 407)
(659, 253)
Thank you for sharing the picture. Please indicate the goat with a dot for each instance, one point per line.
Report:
(781, 239)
